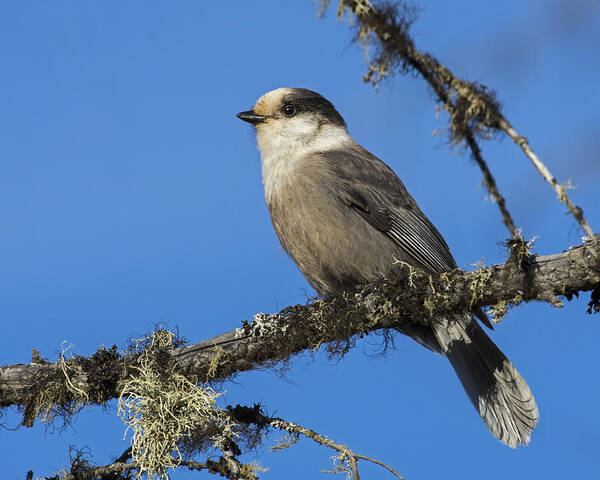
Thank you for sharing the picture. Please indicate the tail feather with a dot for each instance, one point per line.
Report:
(492, 383)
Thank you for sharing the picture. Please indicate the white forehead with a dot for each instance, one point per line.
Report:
(276, 94)
(270, 101)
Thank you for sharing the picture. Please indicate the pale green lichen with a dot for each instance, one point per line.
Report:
(438, 299)
(412, 271)
(57, 394)
(161, 408)
(499, 310)
(290, 439)
(479, 279)
(341, 464)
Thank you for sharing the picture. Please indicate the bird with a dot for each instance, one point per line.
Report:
(346, 219)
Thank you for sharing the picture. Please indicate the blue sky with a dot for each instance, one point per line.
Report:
(130, 194)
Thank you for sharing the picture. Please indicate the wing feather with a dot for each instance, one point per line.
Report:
(372, 189)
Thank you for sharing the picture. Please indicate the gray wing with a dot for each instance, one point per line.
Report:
(372, 189)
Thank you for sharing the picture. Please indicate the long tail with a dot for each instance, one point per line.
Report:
(493, 384)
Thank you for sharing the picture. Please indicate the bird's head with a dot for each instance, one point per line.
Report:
(294, 119)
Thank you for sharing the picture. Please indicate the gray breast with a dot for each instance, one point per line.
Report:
(332, 245)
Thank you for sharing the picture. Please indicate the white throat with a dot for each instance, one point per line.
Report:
(281, 148)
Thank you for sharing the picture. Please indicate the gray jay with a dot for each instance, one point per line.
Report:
(345, 218)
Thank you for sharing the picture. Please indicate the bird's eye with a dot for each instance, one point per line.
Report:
(288, 110)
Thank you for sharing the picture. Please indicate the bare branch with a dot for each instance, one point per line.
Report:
(253, 415)
(560, 190)
(227, 464)
(492, 187)
(473, 108)
(80, 468)
(219, 467)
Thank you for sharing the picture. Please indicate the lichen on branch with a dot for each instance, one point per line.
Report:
(161, 408)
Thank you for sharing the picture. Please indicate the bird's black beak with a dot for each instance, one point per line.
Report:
(251, 117)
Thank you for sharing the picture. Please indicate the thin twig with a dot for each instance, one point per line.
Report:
(395, 38)
(492, 187)
(291, 427)
(560, 190)
(472, 107)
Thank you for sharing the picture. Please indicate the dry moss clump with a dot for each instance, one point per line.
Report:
(162, 408)
(55, 393)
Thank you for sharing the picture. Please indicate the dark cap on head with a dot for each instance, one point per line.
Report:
(291, 102)
(305, 100)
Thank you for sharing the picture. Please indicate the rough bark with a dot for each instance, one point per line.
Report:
(335, 322)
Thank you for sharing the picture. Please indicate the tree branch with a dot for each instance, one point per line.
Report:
(347, 460)
(492, 187)
(473, 108)
(336, 322)
(560, 190)
(81, 470)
